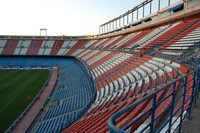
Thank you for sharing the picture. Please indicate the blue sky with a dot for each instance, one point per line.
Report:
(60, 17)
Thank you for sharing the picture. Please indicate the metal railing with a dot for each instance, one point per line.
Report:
(165, 114)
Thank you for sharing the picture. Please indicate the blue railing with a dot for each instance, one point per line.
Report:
(161, 113)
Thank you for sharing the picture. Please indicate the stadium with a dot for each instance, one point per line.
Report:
(140, 73)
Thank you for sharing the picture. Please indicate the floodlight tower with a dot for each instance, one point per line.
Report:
(43, 29)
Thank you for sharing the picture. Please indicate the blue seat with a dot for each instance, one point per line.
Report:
(74, 94)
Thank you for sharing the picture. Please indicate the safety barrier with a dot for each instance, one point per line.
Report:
(160, 115)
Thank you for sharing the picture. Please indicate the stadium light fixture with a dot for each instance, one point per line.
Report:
(43, 29)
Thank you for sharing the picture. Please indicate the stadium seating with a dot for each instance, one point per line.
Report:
(34, 47)
(73, 96)
(9, 47)
(186, 28)
(144, 40)
(121, 75)
(187, 42)
(108, 97)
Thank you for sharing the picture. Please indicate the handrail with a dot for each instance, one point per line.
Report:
(154, 105)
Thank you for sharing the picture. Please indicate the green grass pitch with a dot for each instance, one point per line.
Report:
(15, 88)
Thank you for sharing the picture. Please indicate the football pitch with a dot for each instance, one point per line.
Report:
(17, 89)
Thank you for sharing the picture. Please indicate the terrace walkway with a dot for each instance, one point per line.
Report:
(32, 113)
(193, 125)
